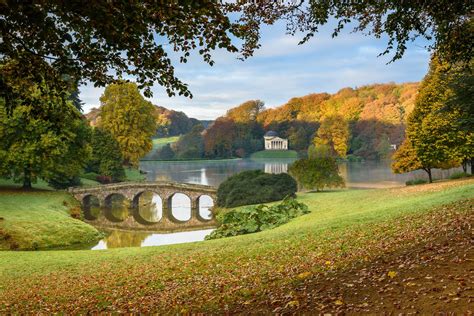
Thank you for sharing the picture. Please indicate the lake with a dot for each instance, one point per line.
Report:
(367, 175)
(360, 175)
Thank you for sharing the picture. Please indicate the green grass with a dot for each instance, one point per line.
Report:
(134, 175)
(344, 227)
(10, 184)
(41, 219)
(274, 154)
(160, 142)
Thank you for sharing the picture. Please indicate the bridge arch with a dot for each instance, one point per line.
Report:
(91, 207)
(179, 207)
(204, 206)
(116, 207)
(147, 207)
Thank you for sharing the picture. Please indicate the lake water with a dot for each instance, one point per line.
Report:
(360, 175)
(369, 174)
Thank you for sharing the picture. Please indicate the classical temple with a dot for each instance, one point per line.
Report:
(273, 142)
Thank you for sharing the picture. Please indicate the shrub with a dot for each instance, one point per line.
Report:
(458, 175)
(317, 173)
(104, 179)
(416, 181)
(258, 218)
(75, 212)
(253, 187)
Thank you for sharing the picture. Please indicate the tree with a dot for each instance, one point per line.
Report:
(88, 40)
(72, 161)
(437, 136)
(43, 135)
(190, 145)
(316, 173)
(406, 159)
(165, 152)
(298, 138)
(246, 112)
(247, 138)
(129, 118)
(219, 138)
(334, 132)
(106, 159)
(447, 23)
(383, 147)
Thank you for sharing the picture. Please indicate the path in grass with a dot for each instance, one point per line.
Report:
(258, 272)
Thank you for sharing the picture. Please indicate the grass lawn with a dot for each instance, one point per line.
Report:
(40, 219)
(250, 273)
(274, 154)
(160, 142)
(134, 175)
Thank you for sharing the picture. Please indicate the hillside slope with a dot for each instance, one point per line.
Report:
(273, 271)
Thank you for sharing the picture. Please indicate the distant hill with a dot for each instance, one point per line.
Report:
(376, 115)
(390, 103)
(170, 122)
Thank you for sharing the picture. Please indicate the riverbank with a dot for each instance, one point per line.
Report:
(272, 271)
(271, 154)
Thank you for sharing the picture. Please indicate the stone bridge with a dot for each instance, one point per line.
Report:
(100, 199)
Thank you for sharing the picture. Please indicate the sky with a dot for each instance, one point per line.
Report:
(282, 69)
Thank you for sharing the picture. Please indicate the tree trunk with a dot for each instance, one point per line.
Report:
(472, 166)
(26, 179)
(428, 171)
(464, 166)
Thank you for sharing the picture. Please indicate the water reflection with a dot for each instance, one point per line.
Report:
(116, 208)
(91, 207)
(149, 207)
(205, 205)
(118, 239)
(181, 207)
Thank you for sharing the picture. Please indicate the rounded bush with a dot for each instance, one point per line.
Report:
(253, 187)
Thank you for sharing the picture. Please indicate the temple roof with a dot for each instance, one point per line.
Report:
(271, 134)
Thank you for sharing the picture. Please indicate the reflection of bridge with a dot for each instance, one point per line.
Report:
(102, 197)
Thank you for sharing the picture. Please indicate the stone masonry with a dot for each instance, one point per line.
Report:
(131, 192)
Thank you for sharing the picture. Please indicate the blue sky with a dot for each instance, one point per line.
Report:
(282, 69)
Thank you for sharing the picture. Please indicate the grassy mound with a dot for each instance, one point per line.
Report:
(41, 220)
(260, 273)
(274, 154)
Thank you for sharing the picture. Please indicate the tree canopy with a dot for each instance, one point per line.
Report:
(436, 134)
(129, 118)
(101, 41)
(318, 171)
(106, 159)
(43, 136)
